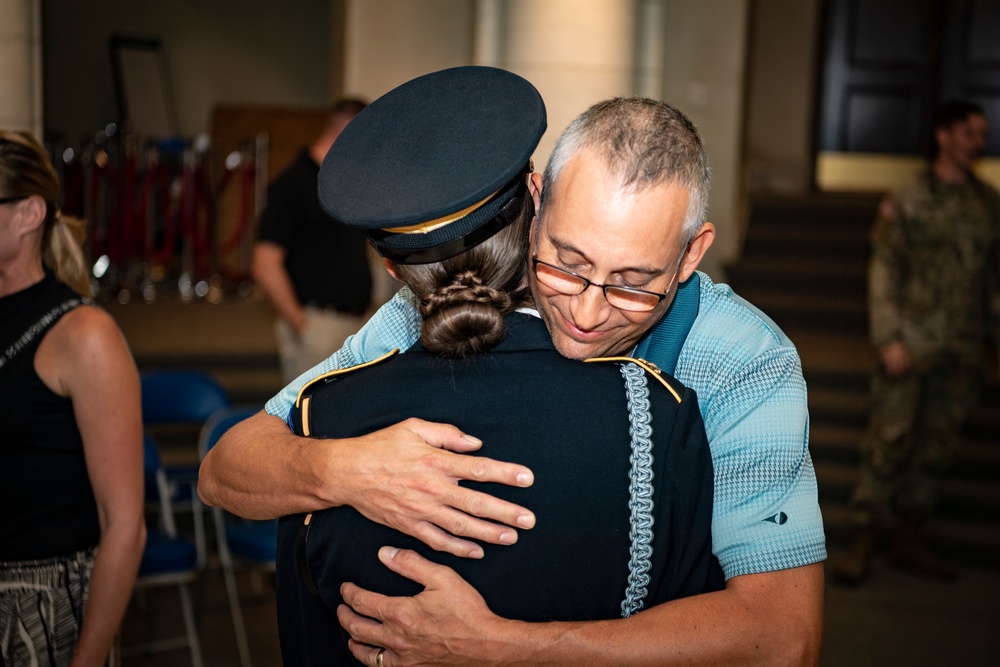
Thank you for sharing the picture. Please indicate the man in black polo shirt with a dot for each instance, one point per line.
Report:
(315, 272)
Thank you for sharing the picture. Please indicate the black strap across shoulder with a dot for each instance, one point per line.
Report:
(12, 348)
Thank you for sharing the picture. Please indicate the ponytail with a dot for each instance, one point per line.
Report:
(62, 252)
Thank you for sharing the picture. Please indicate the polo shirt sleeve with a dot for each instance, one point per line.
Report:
(395, 325)
(766, 513)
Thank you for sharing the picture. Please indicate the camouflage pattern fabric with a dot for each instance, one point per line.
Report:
(933, 276)
(911, 440)
(933, 286)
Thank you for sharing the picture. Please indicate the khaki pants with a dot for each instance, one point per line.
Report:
(324, 334)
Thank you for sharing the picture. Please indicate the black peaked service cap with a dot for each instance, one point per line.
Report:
(435, 166)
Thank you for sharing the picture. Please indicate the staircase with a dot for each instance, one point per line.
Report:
(804, 264)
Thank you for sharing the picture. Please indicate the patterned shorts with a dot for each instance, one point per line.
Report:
(42, 603)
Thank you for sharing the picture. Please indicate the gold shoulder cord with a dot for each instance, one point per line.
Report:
(326, 376)
(647, 366)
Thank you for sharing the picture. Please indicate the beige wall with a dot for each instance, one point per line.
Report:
(254, 51)
(576, 52)
(781, 95)
(388, 42)
(705, 59)
(20, 65)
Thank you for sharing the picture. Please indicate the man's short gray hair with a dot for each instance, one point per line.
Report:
(645, 143)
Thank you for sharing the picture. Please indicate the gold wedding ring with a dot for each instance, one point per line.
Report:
(378, 658)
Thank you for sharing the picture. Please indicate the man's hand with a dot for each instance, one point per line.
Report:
(404, 477)
(269, 271)
(410, 628)
(895, 359)
(766, 619)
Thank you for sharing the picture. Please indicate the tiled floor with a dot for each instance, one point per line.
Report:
(897, 619)
(157, 615)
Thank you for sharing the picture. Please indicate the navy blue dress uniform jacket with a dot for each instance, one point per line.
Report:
(566, 420)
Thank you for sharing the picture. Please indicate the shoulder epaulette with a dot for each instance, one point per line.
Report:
(651, 368)
(341, 371)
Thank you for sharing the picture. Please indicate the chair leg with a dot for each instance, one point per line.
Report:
(234, 606)
(192, 633)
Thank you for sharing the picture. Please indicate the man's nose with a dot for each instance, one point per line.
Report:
(590, 309)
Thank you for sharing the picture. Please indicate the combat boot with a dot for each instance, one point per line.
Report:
(852, 566)
(909, 551)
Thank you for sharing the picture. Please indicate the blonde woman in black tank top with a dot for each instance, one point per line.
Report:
(71, 529)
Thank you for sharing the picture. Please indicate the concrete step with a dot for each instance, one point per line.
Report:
(808, 311)
(838, 443)
(851, 405)
(834, 357)
(836, 404)
(779, 243)
(965, 540)
(961, 497)
(825, 212)
(830, 275)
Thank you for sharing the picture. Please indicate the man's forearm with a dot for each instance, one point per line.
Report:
(261, 470)
(734, 626)
(762, 619)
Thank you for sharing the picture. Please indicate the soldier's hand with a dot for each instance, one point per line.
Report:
(895, 359)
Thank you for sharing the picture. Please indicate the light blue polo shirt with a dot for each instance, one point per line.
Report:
(748, 378)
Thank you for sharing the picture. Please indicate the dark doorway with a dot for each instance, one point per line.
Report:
(888, 63)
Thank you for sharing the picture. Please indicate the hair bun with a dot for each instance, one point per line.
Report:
(463, 317)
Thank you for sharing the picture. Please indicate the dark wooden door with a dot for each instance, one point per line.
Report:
(888, 63)
(970, 58)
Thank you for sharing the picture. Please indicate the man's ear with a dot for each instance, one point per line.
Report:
(696, 249)
(390, 266)
(535, 189)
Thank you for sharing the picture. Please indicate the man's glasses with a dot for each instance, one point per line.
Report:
(11, 200)
(572, 284)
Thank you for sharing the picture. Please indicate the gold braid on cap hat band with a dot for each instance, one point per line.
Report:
(437, 223)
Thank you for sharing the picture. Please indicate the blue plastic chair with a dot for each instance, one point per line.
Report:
(181, 398)
(167, 560)
(252, 543)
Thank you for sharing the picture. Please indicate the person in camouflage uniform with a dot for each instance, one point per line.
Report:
(933, 297)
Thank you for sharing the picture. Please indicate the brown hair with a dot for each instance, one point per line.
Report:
(26, 170)
(464, 299)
